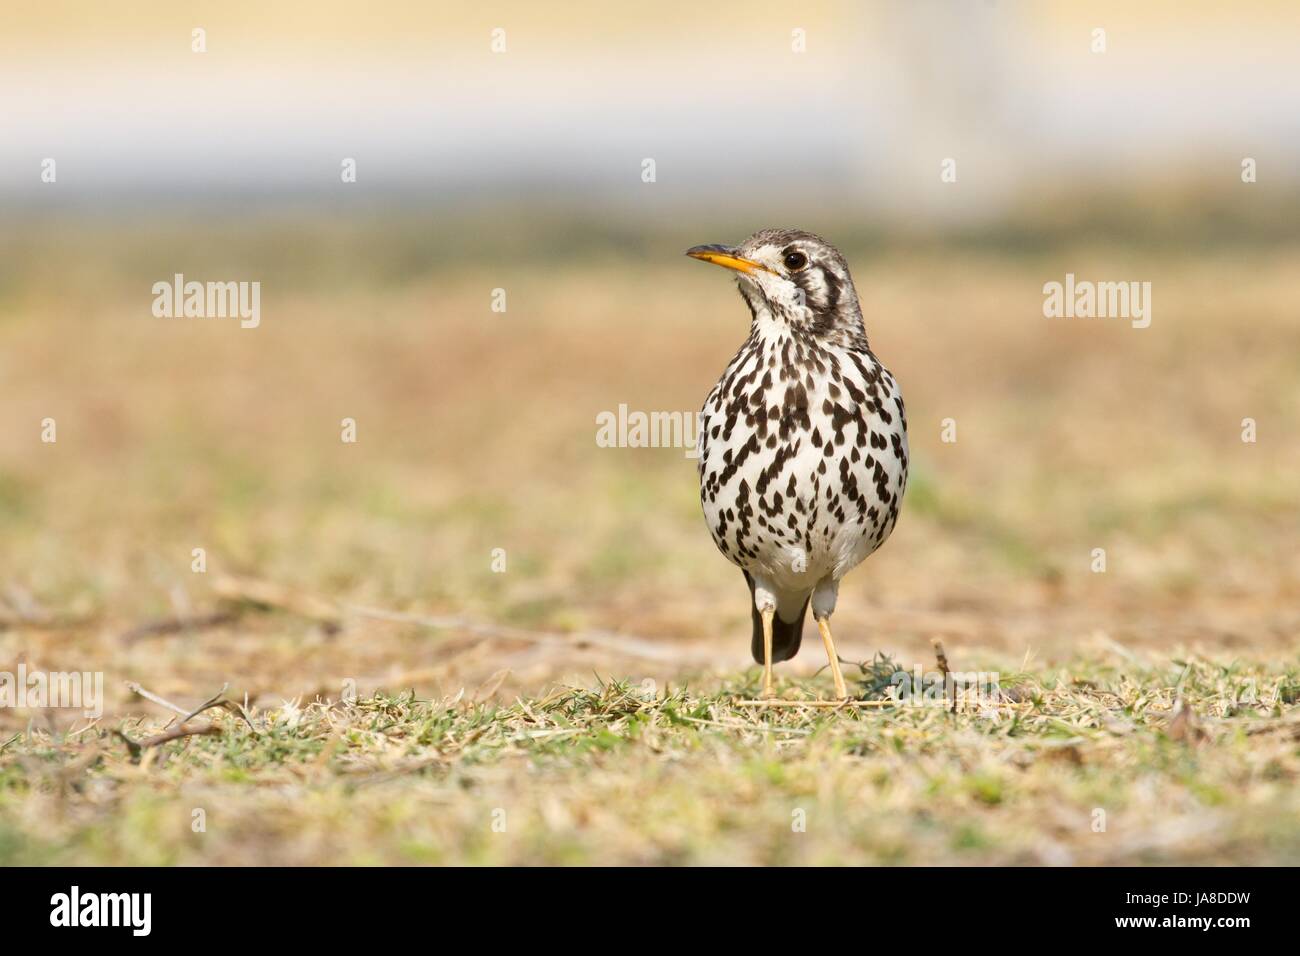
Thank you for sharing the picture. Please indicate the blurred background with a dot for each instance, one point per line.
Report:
(504, 146)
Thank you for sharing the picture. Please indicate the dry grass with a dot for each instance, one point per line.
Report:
(1084, 766)
(477, 432)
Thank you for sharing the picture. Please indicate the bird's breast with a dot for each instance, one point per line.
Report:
(803, 459)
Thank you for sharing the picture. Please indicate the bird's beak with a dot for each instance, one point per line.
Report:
(726, 257)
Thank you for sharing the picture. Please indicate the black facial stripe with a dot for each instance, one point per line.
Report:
(801, 280)
(833, 289)
(745, 294)
(804, 281)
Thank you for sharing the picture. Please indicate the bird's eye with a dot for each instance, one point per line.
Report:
(794, 261)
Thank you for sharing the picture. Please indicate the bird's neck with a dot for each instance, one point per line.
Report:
(776, 328)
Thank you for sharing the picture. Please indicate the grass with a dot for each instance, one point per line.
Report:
(1086, 764)
(477, 434)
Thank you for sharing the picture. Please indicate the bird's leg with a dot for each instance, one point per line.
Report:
(768, 692)
(824, 625)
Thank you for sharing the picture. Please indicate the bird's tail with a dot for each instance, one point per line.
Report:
(786, 635)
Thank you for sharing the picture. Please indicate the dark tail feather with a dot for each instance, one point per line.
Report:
(786, 635)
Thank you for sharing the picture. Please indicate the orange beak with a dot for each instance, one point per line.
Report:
(726, 257)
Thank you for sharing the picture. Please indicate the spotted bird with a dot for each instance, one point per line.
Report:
(803, 441)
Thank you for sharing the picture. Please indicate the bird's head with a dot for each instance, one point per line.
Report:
(794, 277)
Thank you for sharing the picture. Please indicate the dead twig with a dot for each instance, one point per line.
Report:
(179, 731)
(268, 594)
(174, 625)
(732, 725)
(135, 688)
(942, 660)
(836, 704)
(136, 747)
(627, 644)
(218, 701)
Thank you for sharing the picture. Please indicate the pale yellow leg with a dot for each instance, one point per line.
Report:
(768, 691)
(824, 625)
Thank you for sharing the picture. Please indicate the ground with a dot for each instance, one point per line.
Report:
(1086, 765)
(475, 635)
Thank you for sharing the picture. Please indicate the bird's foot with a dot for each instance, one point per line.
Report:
(841, 689)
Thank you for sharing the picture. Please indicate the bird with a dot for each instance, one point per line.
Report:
(802, 447)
